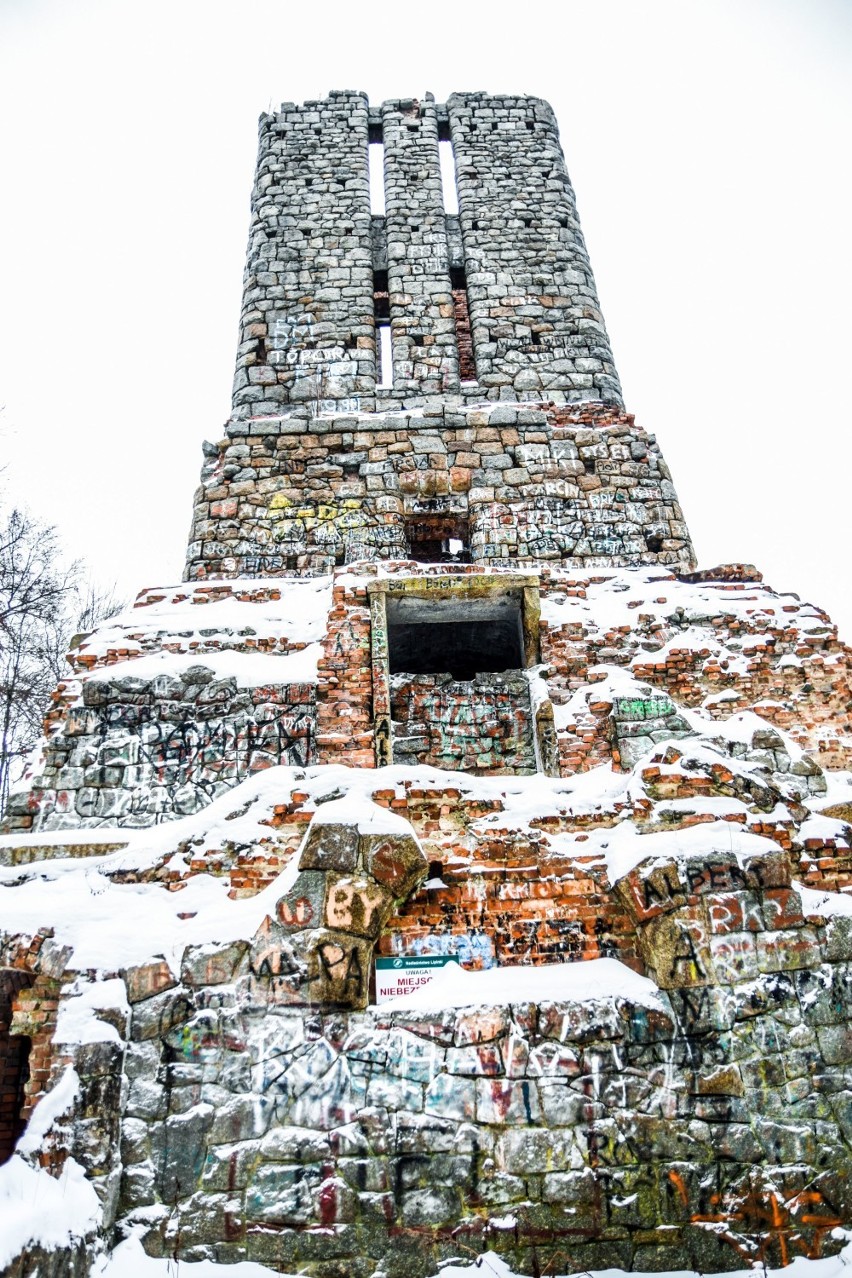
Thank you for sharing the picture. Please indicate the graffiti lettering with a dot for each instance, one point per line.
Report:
(685, 953)
(299, 912)
(341, 969)
(189, 762)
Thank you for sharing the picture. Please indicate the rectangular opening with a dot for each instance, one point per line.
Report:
(381, 297)
(438, 538)
(381, 317)
(462, 649)
(384, 355)
(14, 1064)
(448, 177)
(450, 679)
(459, 637)
(376, 152)
(461, 313)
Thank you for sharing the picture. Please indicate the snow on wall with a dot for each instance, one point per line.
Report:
(177, 700)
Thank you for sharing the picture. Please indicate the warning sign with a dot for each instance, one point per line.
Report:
(398, 976)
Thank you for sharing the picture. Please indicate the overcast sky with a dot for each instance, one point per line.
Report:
(708, 143)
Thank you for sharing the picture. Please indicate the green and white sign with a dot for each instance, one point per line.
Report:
(398, 976)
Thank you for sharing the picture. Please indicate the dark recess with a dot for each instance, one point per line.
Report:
(14, 1064)
(429, 537)
(460, 648)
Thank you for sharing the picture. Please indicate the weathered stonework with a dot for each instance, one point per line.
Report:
(574, 485)
(359, 1143)
(484, 725)
(307, 333)
(442, 682)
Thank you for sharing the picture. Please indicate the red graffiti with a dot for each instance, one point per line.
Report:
(298, 912)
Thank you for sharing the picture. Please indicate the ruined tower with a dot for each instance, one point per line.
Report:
(337, 453)
(442, 691)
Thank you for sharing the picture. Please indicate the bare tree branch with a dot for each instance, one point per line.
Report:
(43, 602)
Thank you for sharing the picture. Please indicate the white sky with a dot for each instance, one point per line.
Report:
(708, 143)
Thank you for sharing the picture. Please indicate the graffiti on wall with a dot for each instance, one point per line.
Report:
(342, 531)
(141, 763)
(478, 726)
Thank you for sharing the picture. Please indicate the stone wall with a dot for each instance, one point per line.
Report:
(477, 726)
(135, 752)
(536, 320)
(82, 1132)
(306, 329)
(175, 701)
(308, 334)
(574, 486)
(704, 1127)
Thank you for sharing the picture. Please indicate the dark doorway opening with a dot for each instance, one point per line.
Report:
(14, 1064)
(462, 649)
(459, 638)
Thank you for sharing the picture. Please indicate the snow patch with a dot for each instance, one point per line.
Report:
(358, 810)
(51, 1107)
(129, 1260)
(827, 905)
(77, 1021)
(249, 669)
(581, 982)
(300, 614)
(490, 1265)
(37, 1209)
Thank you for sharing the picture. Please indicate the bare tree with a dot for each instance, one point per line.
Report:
(43, 602)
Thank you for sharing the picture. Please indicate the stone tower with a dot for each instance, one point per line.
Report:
(490, 452)
(496, 423)
(441, 690)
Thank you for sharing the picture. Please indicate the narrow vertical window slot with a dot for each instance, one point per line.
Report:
(385, 355)
(381, 316)
(461, 311)
(376, 160)
(448, 176)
